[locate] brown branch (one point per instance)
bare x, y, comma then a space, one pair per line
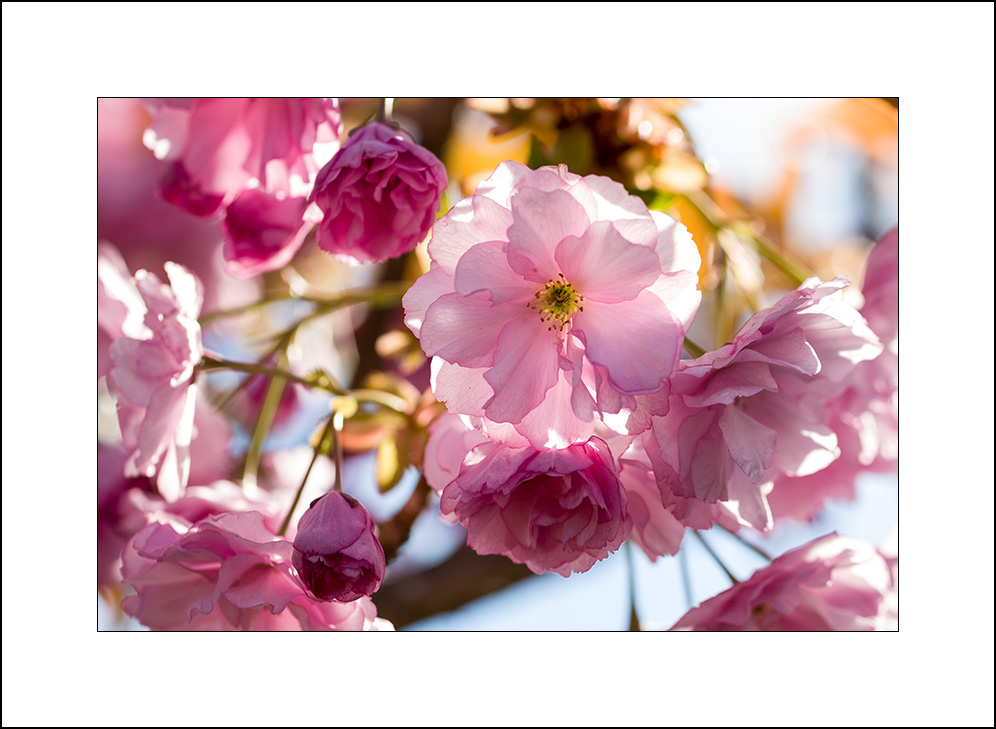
462, 578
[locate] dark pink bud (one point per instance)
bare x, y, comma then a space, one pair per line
379, 195
336, 552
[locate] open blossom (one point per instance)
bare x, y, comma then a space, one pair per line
227, 572
755, 407
832, 583
336, 552
154, 360
554, 511
219, 147
379, 195
552, 299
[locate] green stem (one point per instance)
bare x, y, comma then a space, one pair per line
300, 490
715, 556
694, 349
383, 294
787, 265
337, 423
710, 212
385, 110
267, 413
744, 542
214, 363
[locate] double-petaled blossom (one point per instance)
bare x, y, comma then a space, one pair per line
552, 300
554, 510
756, 407
832, 583
154, 360
379, 195
336, 552
227, 572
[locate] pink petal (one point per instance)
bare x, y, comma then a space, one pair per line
605, 267
636, 341
751, 444
464, 329
475, 219
525, 368
542, 220
485, 268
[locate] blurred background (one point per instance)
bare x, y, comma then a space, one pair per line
817, 178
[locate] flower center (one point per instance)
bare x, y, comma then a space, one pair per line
556, 302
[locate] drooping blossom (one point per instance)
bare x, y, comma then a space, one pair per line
756, 407
832, 583
554, 511
227, 572
552, 299
379, 195
336, 552
154, 361
219, 147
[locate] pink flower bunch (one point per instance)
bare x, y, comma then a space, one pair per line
251, 160
156, 348
832, 583
379, 195
227, 572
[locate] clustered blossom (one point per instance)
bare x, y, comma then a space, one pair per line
156, 348
227, 572
554, 314
832, 583
379, 195
555, 308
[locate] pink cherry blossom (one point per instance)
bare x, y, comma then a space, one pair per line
379, 195
832, 583
552, 299
227, 572
756, 407
154, 359
336, 552
554, 511
219, 147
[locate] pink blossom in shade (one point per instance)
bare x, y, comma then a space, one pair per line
263, 232
336, 552
554, 511
832, 583
379, 195
551, 301
218, 147
227, 572
112, 505
757, 407
152, 376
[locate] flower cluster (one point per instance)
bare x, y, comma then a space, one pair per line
556, 308
553, 398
